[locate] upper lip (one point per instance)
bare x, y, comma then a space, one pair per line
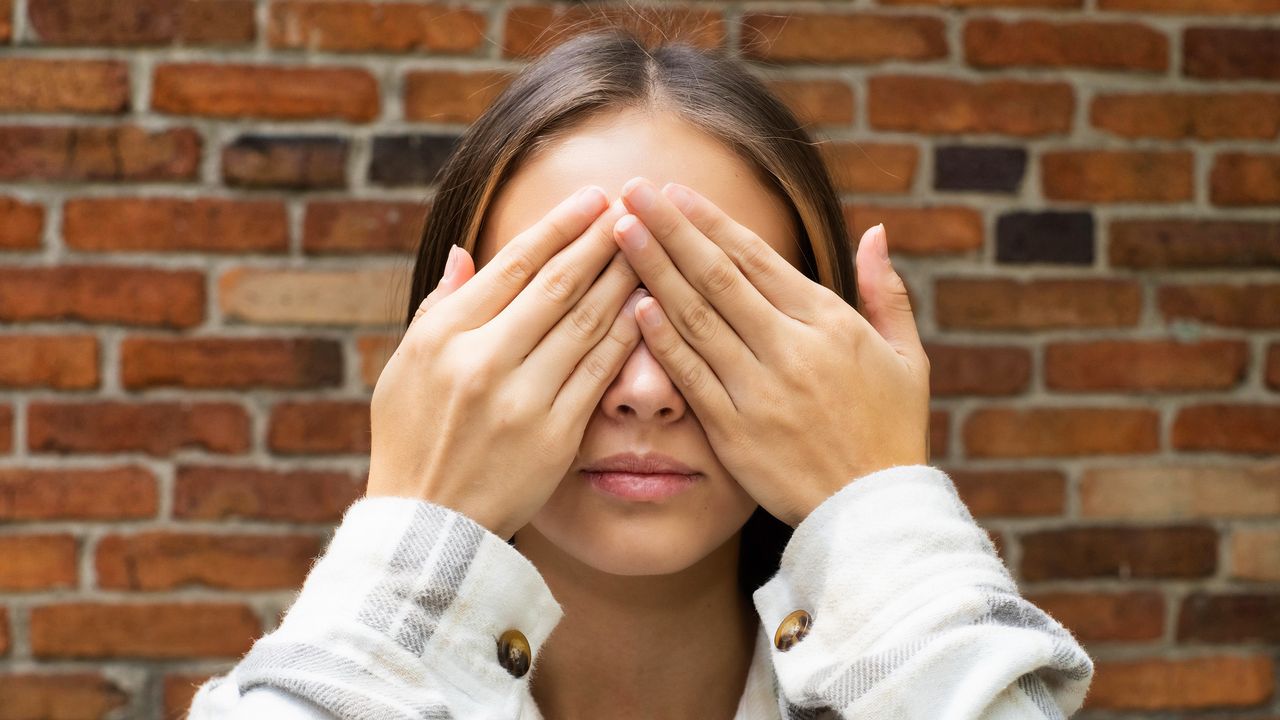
649, 463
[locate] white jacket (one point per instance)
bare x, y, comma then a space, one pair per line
913, 615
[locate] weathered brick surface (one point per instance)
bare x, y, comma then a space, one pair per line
982, 370
291, 93
990, 169
1193, 683
351, 227
816, 102
922, 231
1054, 432
153, 630
64, 362
166, 560
1095, 617
175, 225
1011, 493
318, 428
293, 163
1199, 7
37, 562
1228, 53
1177, 551
945, 105
21, 224
124, 153
1177, 115
451, 96
1174, 492
1036, 43
1145, 366
113, 493
1229, 618
99, 294
529, 30
70, 695
375, 26
157, 428
997, 304
1226, 427
1117, 175
1245, 179
303, 496
312, 297
1242, 306
229, 363
142, 22
1255, 554
1045, 237
871, 168
1191, 244
81, 86
824, 37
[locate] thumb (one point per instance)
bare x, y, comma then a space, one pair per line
459, 268
884, 295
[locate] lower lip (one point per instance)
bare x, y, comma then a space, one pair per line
640, 486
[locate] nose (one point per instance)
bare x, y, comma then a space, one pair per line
642, 391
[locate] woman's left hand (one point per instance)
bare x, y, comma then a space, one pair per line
799, 395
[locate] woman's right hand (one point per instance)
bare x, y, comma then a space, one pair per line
484, 403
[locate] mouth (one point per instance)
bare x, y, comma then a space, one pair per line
640, 478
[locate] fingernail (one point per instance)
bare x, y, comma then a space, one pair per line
591, 199
884, 242
633, 236
451, 264
679, 195
641, 195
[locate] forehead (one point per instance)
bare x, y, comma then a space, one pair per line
612, 148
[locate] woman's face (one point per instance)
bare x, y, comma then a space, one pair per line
642, 411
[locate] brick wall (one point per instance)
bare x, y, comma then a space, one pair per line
206, 209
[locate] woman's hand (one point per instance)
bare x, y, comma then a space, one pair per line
799, 394
483, 405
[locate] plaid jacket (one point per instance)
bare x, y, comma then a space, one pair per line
913, 616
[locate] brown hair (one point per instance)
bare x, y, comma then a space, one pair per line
610, 69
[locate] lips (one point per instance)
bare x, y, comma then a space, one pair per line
647, 464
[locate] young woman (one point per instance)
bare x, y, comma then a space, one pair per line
662, 417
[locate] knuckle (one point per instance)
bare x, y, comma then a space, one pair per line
756, 260
718, 278
517, 269
558, 283
584, 322
595, 365
699, 320
692, 378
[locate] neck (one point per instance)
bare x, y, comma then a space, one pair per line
643, 646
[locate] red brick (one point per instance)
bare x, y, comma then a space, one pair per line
939, 440
1011, 493
220, 493
1251, 305
4, 638
1145, 365
1192, 7
62, 362
531, 30
1255, 553
83, 154
375, 350
142, 22
1051, 4
919, 231
157, 428
81, 86
167, 561
1225, 53
375, 27
325, 426
947, 105
1229, 618
824, 37
451, 96
1178, 551
871, 167
21, 224
1181, 683
151, 630
1196, 244
37, 562
154, 224
1060, 431
1273, 367
362, 227
816, 102
1224, 427
1179, 491
289, 93
978, 369
1006, 304
1105, 617
119, 295
1036, 43
61, 696
6, 429
1173, 115
6, 20
1245, 179
77, 494
179, 691
1117, 175
211, 362
295, 163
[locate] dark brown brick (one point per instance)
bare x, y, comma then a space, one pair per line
211, 362
362, 226
1005, 432
978, 369
1231, 53
1230, 618
120, 295
142, 22
411, 159
1222, 427
1046, 236
946, 105
85, 154
6, 429
1011, 493
1036, 43
1006, 304
73, 86
306, 496
813, 37
77, 494
982, 169
1182, 551
325, 426
1145, 365
157, 428
1194, 244
297, 163
1253, 305
1095, 617
204, 225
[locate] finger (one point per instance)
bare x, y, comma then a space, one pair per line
780, 282
581, 393
519, 260
693, 377
700, 324
554, 359
457, 270
886, 304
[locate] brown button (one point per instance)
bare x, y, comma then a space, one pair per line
513, 652
792, 630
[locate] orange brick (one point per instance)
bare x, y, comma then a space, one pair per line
1060, 431
377, 27
6, 20
1227, 427
871, 167
142, 22
305, 496
1005, 304
324, 426
947, 105
37, 562
211, 362
173, 224
824, 37
77, 494
112, 153
60, 695
977, 369
816, 102
151, 630
1011, 493
157, 428
1252, 305
531, 30
117, 294
451, 96
1183, 683
1179, 491
1117, 175
1105, 617
291, 93
167, 561
179, 691
1245, 179
919, 231
79, 86
1145, 365
1255, 553
1173, 116
1036, 43
21, 224
62, 362
362, 227
375, 351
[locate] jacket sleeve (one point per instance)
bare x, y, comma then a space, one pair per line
399, 618
912, 614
